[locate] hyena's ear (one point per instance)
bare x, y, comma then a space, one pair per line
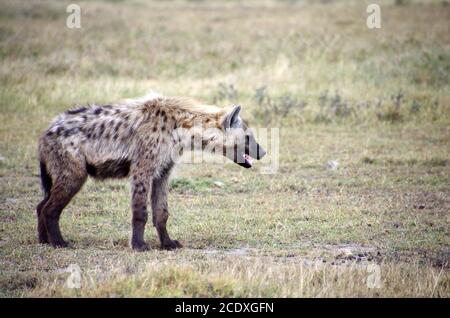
232, 119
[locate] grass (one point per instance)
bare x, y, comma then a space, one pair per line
375, 101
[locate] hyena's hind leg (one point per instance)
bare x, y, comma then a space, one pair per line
70, 178
46, 181
160, 210
41, 229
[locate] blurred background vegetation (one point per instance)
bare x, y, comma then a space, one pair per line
288, 61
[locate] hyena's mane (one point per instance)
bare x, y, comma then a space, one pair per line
182, 111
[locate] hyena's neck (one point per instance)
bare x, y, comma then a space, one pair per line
167, 114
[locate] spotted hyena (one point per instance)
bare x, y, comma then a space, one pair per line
134, 139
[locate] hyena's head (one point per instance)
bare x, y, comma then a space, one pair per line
232, 138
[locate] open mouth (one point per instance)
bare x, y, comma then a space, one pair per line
247, 161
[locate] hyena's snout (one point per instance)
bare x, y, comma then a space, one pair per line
254, 151
260, 152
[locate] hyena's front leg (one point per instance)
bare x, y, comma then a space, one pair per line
140, 186
160, 211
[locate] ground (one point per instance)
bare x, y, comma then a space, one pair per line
359, 205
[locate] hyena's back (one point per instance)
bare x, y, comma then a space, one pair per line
96, 140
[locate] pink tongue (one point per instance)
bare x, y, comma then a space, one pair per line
248, 158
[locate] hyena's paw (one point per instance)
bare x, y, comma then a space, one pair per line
43, 239
60, 244
171, 245
140, 246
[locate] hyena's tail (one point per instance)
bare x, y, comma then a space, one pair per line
46, 180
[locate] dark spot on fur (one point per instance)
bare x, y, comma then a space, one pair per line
118, 126
109, 169
166, 169
49, 133
102, 128
157, 113
98, 111
76, 111
70, 132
